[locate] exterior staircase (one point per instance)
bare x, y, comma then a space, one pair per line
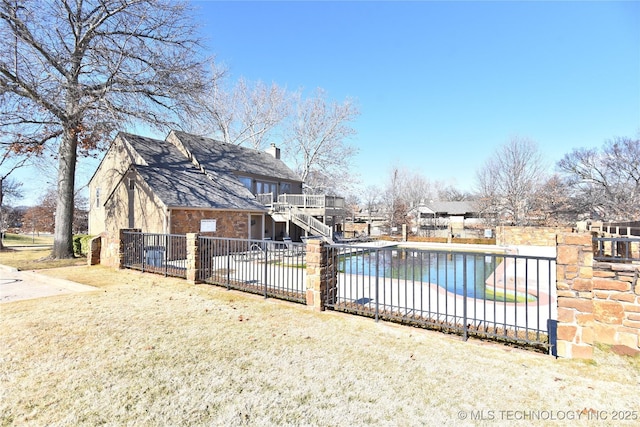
282, 212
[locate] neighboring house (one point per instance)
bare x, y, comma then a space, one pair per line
189, 184
450, 216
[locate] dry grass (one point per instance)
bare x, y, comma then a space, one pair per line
11, 239
145, 350
36, 259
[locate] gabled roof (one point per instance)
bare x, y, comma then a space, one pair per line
177, 182
453, 208
218, 156
448, 208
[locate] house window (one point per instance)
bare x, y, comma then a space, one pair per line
132, 184
266, 187
247, 182
285, 188
98, 197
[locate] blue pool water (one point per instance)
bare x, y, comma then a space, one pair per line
445, 269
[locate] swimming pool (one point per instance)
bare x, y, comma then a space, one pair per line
449, 270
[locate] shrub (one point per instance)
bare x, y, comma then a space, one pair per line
81, 243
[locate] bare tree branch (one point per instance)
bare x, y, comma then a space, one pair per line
508, 181
72, 72
317, 141
605, 183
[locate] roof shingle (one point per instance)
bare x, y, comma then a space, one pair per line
179, 183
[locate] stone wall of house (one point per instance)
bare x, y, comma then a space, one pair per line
229, 224
528, 236
597, 302
110, 172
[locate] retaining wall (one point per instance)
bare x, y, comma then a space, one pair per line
528, 236
598, 303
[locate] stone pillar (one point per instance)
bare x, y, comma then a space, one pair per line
616, 306
321, 274
574, 283
193, 258
95, 246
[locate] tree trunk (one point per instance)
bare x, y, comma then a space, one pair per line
63, 238
1, 213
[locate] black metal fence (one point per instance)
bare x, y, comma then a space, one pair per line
269, 268
616, 249
156, 253
498, 296
502, 297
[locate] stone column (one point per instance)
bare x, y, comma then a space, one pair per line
616, 306
95, 246
193, 258
321, 274
574, 283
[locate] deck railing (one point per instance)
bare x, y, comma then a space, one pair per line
616, 249
312, 201
616, 229
265, 198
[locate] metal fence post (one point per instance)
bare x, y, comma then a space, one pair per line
143, 250
266, 268
465, 332
228, 265
377, 285
167, 240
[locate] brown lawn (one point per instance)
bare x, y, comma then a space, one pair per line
145, 350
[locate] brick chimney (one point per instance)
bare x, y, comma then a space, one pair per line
274, 151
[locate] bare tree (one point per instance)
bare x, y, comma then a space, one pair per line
415, 188
487, 197
448, 192
394, 200
41, 217
508, 181
371, 196
81, 215
551, 204
317, 144
605, 183
9, 188
246, 114
74, 71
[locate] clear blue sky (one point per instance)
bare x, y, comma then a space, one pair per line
441, 85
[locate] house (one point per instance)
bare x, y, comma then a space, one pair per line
188, 184
443, 217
